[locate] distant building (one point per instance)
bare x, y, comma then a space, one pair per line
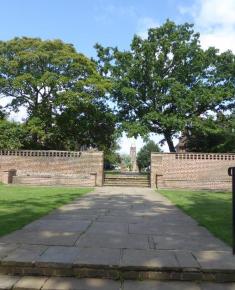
134, 167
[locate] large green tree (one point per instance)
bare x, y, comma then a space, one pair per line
12, 135
212, 135
166, 82
144, 155
62, 91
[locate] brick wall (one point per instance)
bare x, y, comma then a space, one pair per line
191, 170
57, 164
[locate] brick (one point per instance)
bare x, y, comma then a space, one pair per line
64, 168
190, 170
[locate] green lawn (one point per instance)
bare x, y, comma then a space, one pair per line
20, 205
211, 209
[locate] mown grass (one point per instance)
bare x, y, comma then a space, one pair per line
19, 205
212, 210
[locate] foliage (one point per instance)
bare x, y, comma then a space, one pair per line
2, 113
213, 135
111, 157
12, 135
210, 209
144, 155
166, 81
64, 94
126, 159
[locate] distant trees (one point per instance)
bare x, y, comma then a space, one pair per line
12, 135
62, 91
213, 135
126, 159
144, 155
166, 83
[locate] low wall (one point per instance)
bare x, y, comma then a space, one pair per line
191, 170
83, 166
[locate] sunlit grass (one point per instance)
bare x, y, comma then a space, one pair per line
212, 210
20, 205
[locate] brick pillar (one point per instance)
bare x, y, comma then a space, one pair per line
7, 176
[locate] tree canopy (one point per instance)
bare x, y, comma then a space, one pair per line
62, 91
166, 83
214, 136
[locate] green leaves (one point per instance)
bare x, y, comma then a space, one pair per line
165, 82
12, 135
144, 155
62, 90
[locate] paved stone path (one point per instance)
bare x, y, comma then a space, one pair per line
59, 283
134, 232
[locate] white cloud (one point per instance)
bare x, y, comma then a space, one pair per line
144, 24
215, 19
216, 12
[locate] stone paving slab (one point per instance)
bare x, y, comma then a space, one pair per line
65, 283
186, 260
103, 257
70, 217
194, 243
151, 259
164, 229
25, 254
118, 232
76, 284
5, 249
58, 257
115, 240
42, 238
219, 260
156, 285
7, 282
28, 283
108, 228
58, 226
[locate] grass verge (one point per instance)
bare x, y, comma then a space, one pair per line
211, 209
19, 205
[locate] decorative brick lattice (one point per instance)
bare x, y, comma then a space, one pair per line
42, 163
39, 153
191, 170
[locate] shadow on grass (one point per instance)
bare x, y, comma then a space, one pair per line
22, 205
212, 210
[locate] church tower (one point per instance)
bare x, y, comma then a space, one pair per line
134, 167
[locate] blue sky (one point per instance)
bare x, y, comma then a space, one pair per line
114, 22
83, 23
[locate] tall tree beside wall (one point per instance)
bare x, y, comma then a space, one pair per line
12, 135
165, 82
213, 135
62, 91
144, 155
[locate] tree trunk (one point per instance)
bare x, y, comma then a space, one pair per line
169, 142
